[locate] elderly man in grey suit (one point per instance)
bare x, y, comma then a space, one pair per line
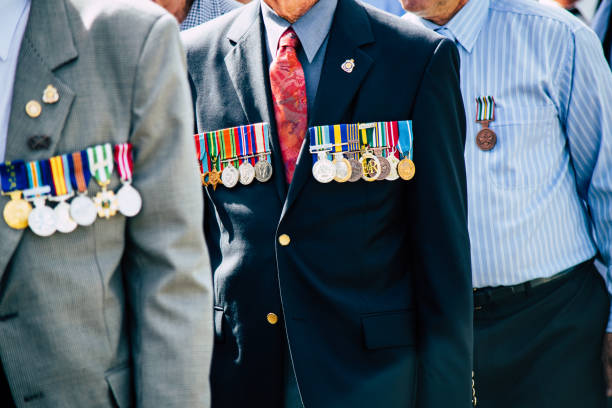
117, 313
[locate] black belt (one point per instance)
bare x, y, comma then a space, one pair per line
483, 296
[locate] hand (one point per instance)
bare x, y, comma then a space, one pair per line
606, 357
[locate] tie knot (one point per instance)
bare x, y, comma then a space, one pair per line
289, 39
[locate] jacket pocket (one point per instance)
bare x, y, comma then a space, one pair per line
219, 322
389, 329
120, 383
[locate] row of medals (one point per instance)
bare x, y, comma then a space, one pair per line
371, 166
82, 210
245, 174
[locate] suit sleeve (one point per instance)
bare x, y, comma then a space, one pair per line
166, 265
440, 242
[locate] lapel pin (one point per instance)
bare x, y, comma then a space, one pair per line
39, 142
33, 109
50, 94
348, 66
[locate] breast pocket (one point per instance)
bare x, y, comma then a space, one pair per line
521, 159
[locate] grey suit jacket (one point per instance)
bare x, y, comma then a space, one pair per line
119, 313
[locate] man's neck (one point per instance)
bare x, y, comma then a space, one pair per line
291, 10
445, 14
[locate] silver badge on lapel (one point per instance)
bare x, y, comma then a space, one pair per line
50, 94
348, 66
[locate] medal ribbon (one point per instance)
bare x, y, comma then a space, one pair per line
13, 176
60, 173
266, 131
212, 149
485, 109
39, 178
125, 161
392, 133
261, 138
101, 162
201, 152
405, 138
79, 171
198, 146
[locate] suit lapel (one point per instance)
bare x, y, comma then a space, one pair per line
350, 30
47, 45
247, 65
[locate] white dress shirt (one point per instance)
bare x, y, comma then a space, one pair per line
13, 20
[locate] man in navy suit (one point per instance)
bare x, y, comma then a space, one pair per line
336, 295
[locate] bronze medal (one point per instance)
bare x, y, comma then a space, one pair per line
406, 169
356, 170
214, 178
486, 139
385, 166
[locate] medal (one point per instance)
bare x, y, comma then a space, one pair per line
230, 174
323, 170
101, 167
405, 168
82, 209
379, 149
246, 169
353, 153
212, 149
129, 201
62, 191
200, 142
370, 164
263, 168
13, 180
486, 139
392, 135
343, 168
41, 220
393, 162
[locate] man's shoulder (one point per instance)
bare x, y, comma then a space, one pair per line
537, 13
122, 17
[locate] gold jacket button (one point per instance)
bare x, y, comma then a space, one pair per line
284, 240
272, 318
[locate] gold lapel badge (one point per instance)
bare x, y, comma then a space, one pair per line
50, 94
33, 109
348, 66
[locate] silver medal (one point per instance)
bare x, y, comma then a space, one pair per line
263, 170
128, 200
230, 176
247, 173
393, 162
42, 219
63, 221
83, 210
323, 170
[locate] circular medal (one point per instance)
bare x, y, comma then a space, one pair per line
263, 170
385, 167
106, 204
393, 162
83, 210
42, 221
63, 221
406, 169
343, 168
16, 213
486, 139
230, 176
370, 166
323, 170
247, 173
129, 200
356, 170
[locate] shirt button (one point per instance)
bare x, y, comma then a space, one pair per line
284, 240
272, 318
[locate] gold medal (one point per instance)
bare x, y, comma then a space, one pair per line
406, 169
343, 168
16, 211
370, 166
214, 178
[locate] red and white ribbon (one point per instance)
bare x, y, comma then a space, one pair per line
124, 160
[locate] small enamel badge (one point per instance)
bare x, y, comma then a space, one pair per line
33, 109
50, 94
348, 66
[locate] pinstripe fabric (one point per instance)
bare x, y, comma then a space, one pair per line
531, 196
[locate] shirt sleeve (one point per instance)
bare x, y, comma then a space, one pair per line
588, 125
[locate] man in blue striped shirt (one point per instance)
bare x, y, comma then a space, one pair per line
539, 197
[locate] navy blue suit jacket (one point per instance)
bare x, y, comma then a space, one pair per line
374, 290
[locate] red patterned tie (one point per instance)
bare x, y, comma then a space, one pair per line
289, 97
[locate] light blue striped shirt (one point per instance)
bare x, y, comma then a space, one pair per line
541, 200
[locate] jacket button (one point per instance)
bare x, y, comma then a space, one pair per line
284, 240
272, 318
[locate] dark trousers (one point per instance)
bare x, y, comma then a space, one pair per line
543, 348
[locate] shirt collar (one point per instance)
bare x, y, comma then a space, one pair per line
466, 25
10, 13
312, 28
